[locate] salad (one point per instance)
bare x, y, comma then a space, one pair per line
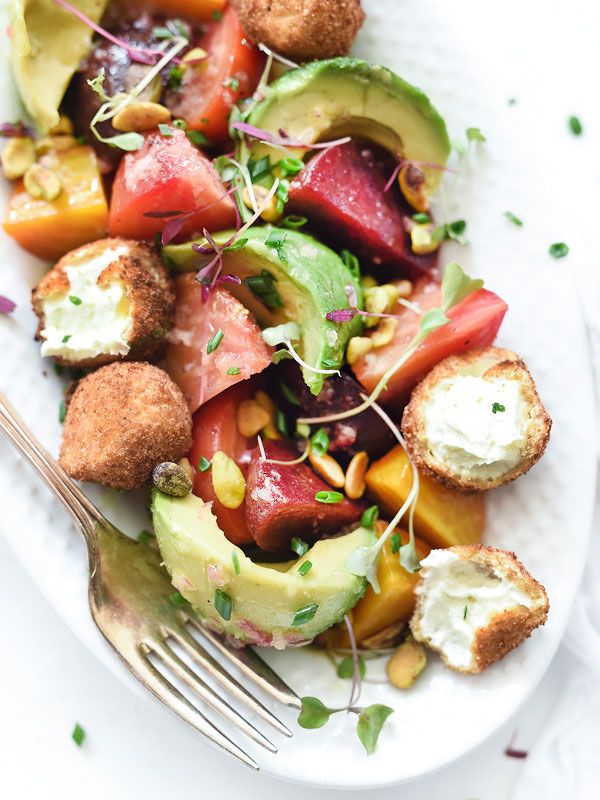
248, 297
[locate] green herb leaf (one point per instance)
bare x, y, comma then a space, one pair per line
329, 497
282, 195
197, 138
303, 430
223, 604
305, 567
299, 546
275, 240
313, 714
281, 422
225, 168
395, 543
369, 517
304, 614
456, 285
233, 371
175, 78
345, 668
126, 141
513, 218
351, 261
62, 411
451, 230
370, 723
237, 245
203, 464
97, 85
475, 135
145, 536
575, 126
164, 129
289, 394
177, 599
558, 250
78, 735
232, 83
263, 286
162, 32
290, 166
293, 221
214, 342
259, 169
181, 124
497, 407
319, 442
432, 319
465, 612
66, 338
280, 355
75, 300
236, 562
421, 218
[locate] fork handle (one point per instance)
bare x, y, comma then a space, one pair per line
83, 512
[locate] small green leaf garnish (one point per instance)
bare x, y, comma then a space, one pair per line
126, 141
450, 231
62, 411
370, 723
258, 169
351, 261
263, 286
345, 668
164, 129
203, 464
144, 536
237, 245
293, 221
289, 394
395, 543
513, 218
319, 442
181, 124
304, 614
175, 78
75, 300
303, 430
313, 714
214, 342
223, 604
558, 250
290, 166
78, 735
233, 371
299, 546
329, 497
281, 422
162, 32
177, 599
305, 567
369, 517
197, 138
475, 135
280, 355
232, 83
421, 218
432, 319
275, 240
497, 407
282, 195
456, 285
97, 84
66, 338
236, 562
575, 126
465, 612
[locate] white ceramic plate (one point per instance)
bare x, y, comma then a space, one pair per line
545, 517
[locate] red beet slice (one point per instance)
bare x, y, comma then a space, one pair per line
280, 502
341, 192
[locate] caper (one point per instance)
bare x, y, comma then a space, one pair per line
172, 479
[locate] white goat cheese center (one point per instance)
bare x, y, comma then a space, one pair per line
457, 598
99, 324
472, 422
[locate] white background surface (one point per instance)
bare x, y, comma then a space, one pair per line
546, 56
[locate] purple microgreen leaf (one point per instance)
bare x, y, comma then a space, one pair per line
393, 177
342, 315
12, 129
174, 227
227, 278
283, 140
6, 305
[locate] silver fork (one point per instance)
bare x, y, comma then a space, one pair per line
129, 601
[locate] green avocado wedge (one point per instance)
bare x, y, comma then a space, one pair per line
300, 280
47, 44
269, 605
349, 97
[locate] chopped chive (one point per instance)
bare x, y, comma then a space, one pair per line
305, 567
497, 407
329, 497
203, 464
237, 245
165, 129
259, 168
575, 126
177, 599
395, 542
513, 218
175, 78
223, 604
558, 250
294, 221
465, 612
281, 422
214, 342
330, 363
299, 546
161, 32
181, 124
66, 338
236, 562
319, 442
290, 166
304, 614
75, 300
289, 394
421, 218
369, 517
197, 138
144, 536
233, 371
78, 735
62, 411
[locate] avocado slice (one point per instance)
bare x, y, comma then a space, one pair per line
47, 44
301, 280
324, 100
270, 604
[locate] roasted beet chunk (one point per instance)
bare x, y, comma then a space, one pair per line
364, 431
280, 502
341, 192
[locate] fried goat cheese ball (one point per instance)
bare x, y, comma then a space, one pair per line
476, 421
474, 604
303, 30
106, 301
122, 421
